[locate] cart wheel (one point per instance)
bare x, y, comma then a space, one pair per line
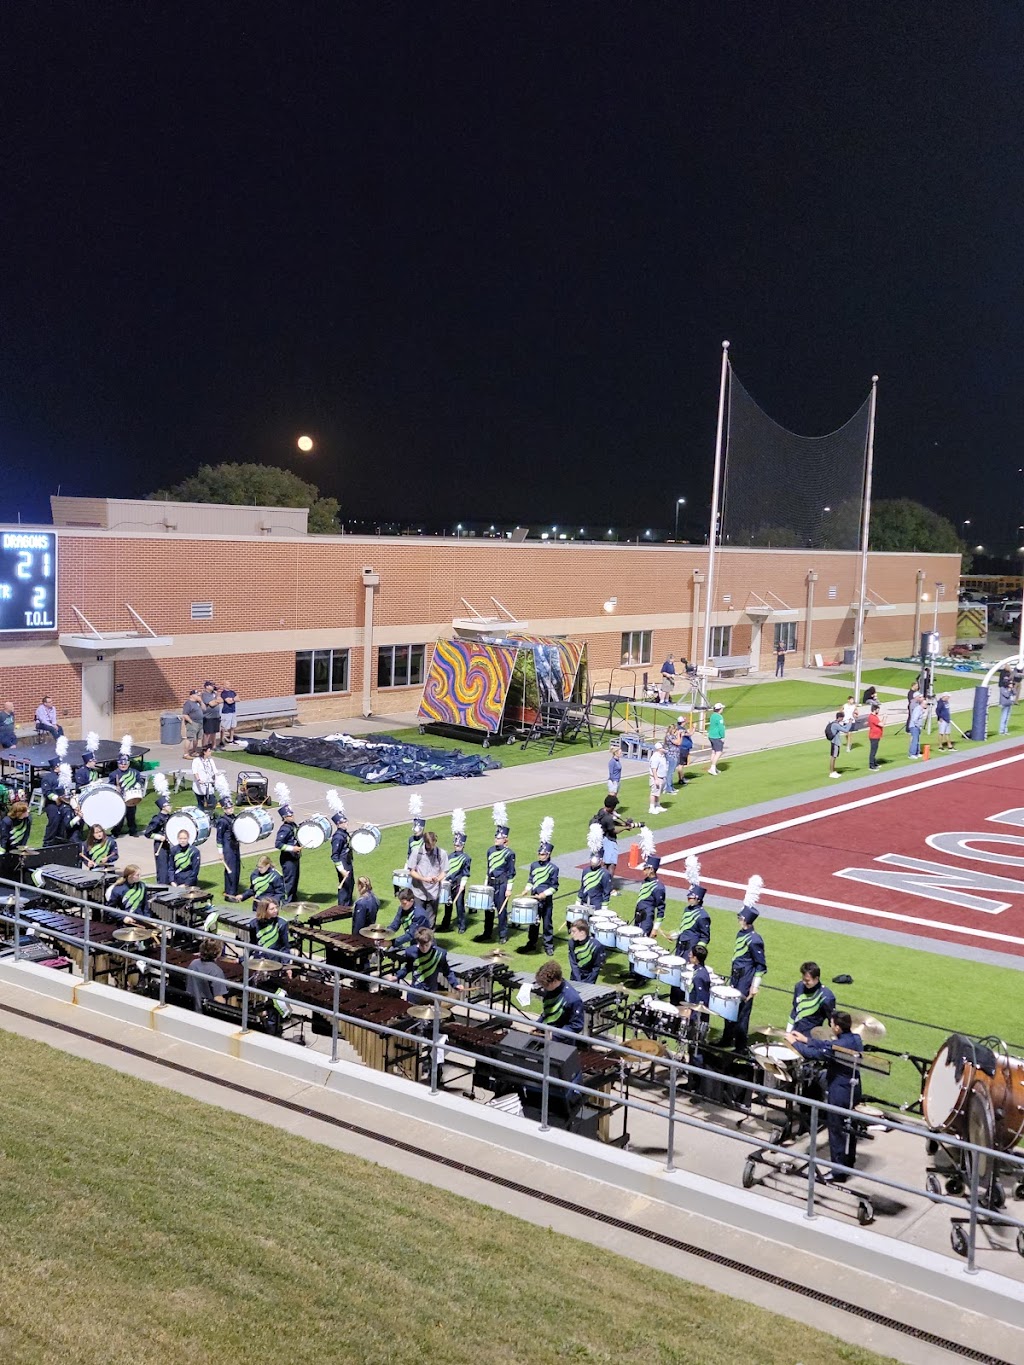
1020, 1241
512, 739
933, 1185
958, 1239
786, 1168
1018, 1190
865, 1212
487, 742
748, 1175
955, 1185
931, 1146
423, 729
996, 1199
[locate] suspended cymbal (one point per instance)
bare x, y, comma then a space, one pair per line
295, 910
867, 1025
495, 955
197, 893
135, 933
771, 1032
258, 966
377, 934
427, 1012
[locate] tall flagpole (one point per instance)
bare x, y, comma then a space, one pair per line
709, 596
865, 531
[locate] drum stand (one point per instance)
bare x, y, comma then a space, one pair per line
957, 1182
796, 1167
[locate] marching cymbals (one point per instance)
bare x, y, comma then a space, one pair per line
427, 1012
377, 934
135, 933
867, 1025
294, 910
770, 1032
260, 966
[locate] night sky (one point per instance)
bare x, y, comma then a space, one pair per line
486, 254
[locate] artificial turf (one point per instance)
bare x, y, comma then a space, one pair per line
901, 679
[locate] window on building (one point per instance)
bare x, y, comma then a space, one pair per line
321, 670
400, 665
721, 641
636, 647
785, 635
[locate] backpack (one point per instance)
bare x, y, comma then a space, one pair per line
831, 729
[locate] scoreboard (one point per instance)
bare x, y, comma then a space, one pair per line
28, 581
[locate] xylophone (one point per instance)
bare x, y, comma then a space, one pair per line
67, 933
350, 952
88, 884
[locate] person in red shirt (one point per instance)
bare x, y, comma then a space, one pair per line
876, 728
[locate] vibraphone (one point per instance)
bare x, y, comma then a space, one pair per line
349, 952
600, 1002
484, 979
86, 883
381, 1051
181, 908
67, 934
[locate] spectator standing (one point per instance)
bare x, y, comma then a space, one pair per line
228, 714
876, 728
850, 713
716, 736
211, 704
945, 721
780, 661
193, 713
204, 779
614, 769
915, 724
657, 770
1005, 704
46, 718
685, 745
673, 739
668, 680
833, 732
8, 734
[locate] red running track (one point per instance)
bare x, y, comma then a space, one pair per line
858, 857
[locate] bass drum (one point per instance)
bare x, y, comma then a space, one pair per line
102, 804
958, 1088
193, 820
252, 825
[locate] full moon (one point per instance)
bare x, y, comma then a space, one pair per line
305, 443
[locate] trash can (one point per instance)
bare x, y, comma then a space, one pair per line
170, 727
849, 657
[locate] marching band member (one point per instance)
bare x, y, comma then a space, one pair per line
460, 865
287, 843
156, 827
695, 925
562, 1005
268, 931
184, 861
341, 850
227, 839
501, 869
410, 916
542, 883
427, 964
843, 1088
49, 786
650, 903
265, 883
586, 955
15, 828
700, 986
748, 966
596, 882
129, 895
418, 825
61, 816
129, 784
86, 771
813, 1003
364, 912
99, 849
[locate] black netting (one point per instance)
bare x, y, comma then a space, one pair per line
787, 490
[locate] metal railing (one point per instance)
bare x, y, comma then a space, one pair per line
441, 1050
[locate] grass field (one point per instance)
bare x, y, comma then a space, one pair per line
752, 703
901, 678
151, 1227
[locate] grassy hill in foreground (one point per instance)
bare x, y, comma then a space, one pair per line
142, 1226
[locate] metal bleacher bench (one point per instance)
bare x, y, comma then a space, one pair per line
256, 711
730, 664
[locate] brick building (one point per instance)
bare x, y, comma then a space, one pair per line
287, 614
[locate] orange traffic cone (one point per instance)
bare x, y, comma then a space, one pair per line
634, 854
926, 750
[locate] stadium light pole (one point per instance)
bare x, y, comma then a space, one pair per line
865, 531
680, 502
716, 483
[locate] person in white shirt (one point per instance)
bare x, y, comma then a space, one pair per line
658, 769
428, 867
850, 713
204, 777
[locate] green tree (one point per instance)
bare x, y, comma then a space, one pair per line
261, 485
897, 525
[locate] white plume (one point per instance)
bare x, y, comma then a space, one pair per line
281, 794
222, 785
335, 803
160, 785
547, 830
499, 814
753, 892
61, 747
126, 745
415, 805
92, 741
646, 840
693, 869
64, 778
595, 838
458, 820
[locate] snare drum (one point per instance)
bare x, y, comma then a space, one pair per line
102, 804
725, 1002
444, 893
674, 971
479, 898
644, 962
604, 928
524, 910
625, 934
575, 912
365, 839
313, 832
400, 878
195, 823
778, 1062
253, 825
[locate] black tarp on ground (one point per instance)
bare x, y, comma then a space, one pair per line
382, 759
